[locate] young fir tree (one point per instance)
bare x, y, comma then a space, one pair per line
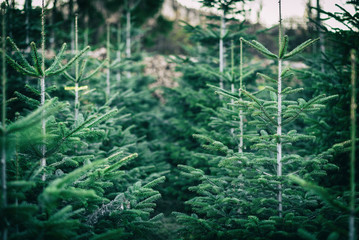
228, 116
194, 101
340, 206
80, 75
335, 80
130, 6
332, 132
38, 70
248, 194
286, 111
118, 64
225, 7
96, 200
9, 132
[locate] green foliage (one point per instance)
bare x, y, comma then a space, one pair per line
90, 187
131, 155
35, 70
239, 193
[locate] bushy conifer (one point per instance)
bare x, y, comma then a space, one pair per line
81, 191
248, 194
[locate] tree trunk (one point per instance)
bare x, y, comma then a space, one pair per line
118, 52
108, 83
10, 17
71, 16
43, 127
241, 132
279, 134
221, 49
77, 102
52, 21
232, 102
3, 182
279, 118
232, 84
28, 8
321, 37
3, 120
86, 33
128, 35
353, 142
43, 89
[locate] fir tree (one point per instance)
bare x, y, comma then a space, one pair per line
234, 178
224, 7
83, 201
38, 70
80, 75
350, 207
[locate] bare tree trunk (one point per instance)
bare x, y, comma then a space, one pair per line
17, 172
221, 49
43, 89
279, 118
128, 35
232, 84
86, 33
3, 121
52, 21
353, 141
321, 37
118, 52
241, 132
77, 102
71, 16
232, 102
28, 8
10, 17
108, 83
3, 182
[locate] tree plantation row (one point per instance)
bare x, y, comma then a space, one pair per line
235, 144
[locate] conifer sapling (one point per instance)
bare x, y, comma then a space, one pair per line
39, 71
292, 112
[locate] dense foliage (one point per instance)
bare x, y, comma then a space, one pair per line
240, 145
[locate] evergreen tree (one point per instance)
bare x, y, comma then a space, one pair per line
194, 101
79, 74
335, 80
73, 201
249, 191
341, 207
